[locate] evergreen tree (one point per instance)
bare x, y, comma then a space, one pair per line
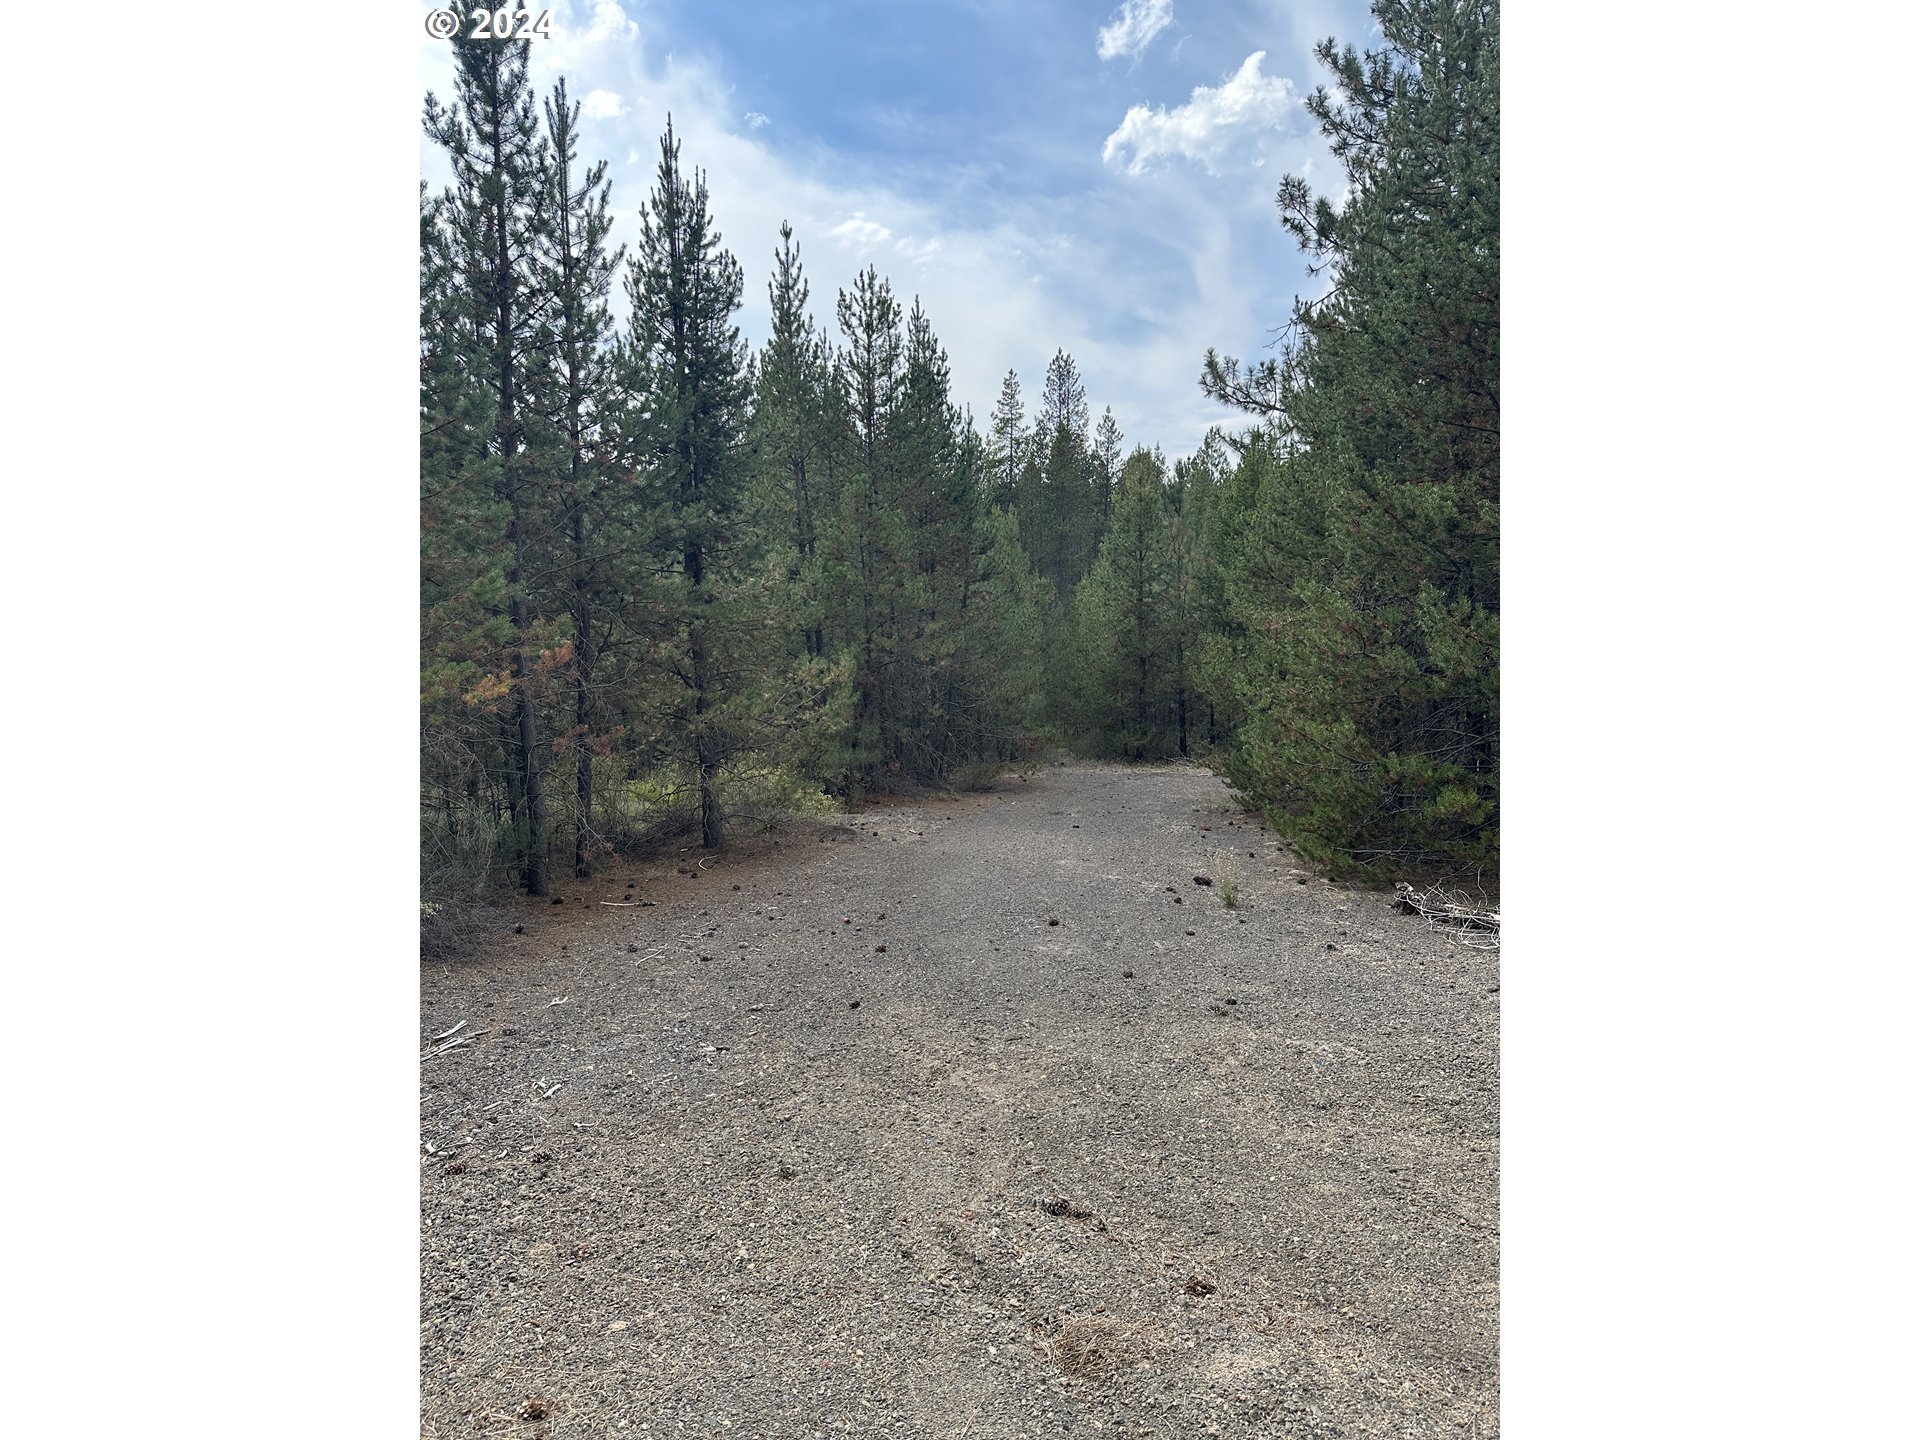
1063, 399
464, 636
1013, 629
1125, 617
793, 431
1361, 570
1007, 446
1190, 498
684, 371
871, 544
1106, 464
1058, 505
940, 462
493, 217
573, 265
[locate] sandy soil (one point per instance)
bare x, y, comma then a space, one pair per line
846, 1136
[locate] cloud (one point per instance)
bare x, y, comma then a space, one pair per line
1210, 123
1133, 31
754, 119
603, 105
583, 30
609, 22
859, 233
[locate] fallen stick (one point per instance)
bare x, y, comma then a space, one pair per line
456, 1044
1440, 909
445, 1033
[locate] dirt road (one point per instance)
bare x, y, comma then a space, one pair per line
849, 1138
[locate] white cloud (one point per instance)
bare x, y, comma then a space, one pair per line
609, 22
1133, 31
1210, 123
581, 29
754, 119
603, 105
859, 233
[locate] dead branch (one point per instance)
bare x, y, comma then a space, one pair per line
457, 1042
1474, 927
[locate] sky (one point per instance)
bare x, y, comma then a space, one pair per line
1094, 177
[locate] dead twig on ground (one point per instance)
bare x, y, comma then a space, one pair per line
456, 1043
1476, 928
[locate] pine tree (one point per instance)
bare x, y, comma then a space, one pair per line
1060, 522
1008, 444
1190, 498
940, 464
1106, 464
574, 267
493, 216
793, 434
684, 371
871, 541
1366, 667
463, 627
1125, 616
1063, 399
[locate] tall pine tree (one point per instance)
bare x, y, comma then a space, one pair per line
574, 266
684, 373
1126, 619
493, 216
1007, 442
794, 432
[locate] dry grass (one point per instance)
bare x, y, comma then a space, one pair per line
1086, 1347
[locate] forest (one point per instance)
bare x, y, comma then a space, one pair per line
672, 586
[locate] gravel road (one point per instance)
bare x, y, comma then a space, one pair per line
846, 1136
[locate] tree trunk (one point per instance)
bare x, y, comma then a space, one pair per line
532, 782
582, 682
582, 783
510, 749
1180, 667
705, 752
712, 825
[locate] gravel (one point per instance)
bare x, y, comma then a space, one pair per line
1157, 1169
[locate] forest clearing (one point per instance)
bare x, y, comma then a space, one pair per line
764, 1094
975, 1116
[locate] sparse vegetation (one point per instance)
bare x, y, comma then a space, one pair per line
1087, 1347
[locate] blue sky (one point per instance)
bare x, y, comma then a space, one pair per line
1096, 176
